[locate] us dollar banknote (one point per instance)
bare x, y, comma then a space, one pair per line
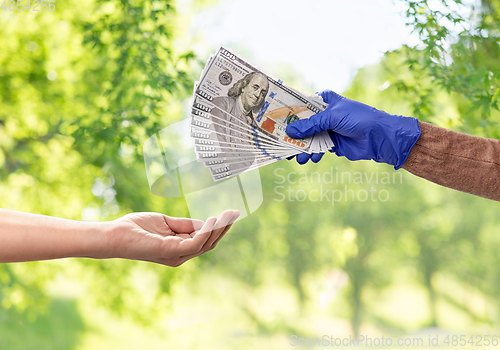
240, 114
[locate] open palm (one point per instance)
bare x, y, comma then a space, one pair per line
166, 240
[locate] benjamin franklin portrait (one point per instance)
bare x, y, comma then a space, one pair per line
243, 103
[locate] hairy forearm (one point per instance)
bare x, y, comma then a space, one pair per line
28, 237
459, 161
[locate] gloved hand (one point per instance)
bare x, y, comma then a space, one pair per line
302, 158
359, 131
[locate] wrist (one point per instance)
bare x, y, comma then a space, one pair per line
408, 133
393, 138
95, 238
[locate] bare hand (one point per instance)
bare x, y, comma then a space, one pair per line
166, 240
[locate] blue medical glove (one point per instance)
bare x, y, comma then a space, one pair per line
360, 131
302, 158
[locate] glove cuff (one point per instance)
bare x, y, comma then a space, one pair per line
409, 133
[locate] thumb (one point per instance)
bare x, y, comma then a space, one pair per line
330, 96
182, 225
303, 128
319, 122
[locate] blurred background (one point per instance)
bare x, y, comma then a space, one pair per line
385, 254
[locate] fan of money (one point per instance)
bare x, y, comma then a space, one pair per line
239, 116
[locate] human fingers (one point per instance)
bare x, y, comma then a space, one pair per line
208, 247
226, 229
195, 244
225, 219
302, 128
185, 258
329, 96
303, 158
183, 225
316, 157
322, 121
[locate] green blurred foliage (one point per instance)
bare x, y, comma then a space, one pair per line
82, 87
58, 328
459, 54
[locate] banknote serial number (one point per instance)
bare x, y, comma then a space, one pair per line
28, 5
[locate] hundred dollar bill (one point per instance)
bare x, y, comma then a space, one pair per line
235, 156
231, 141
222, 117
238, 166
238, 141
205, 135
201, 111
226, 124
229, 149
239, 116
238, 134
255, 98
